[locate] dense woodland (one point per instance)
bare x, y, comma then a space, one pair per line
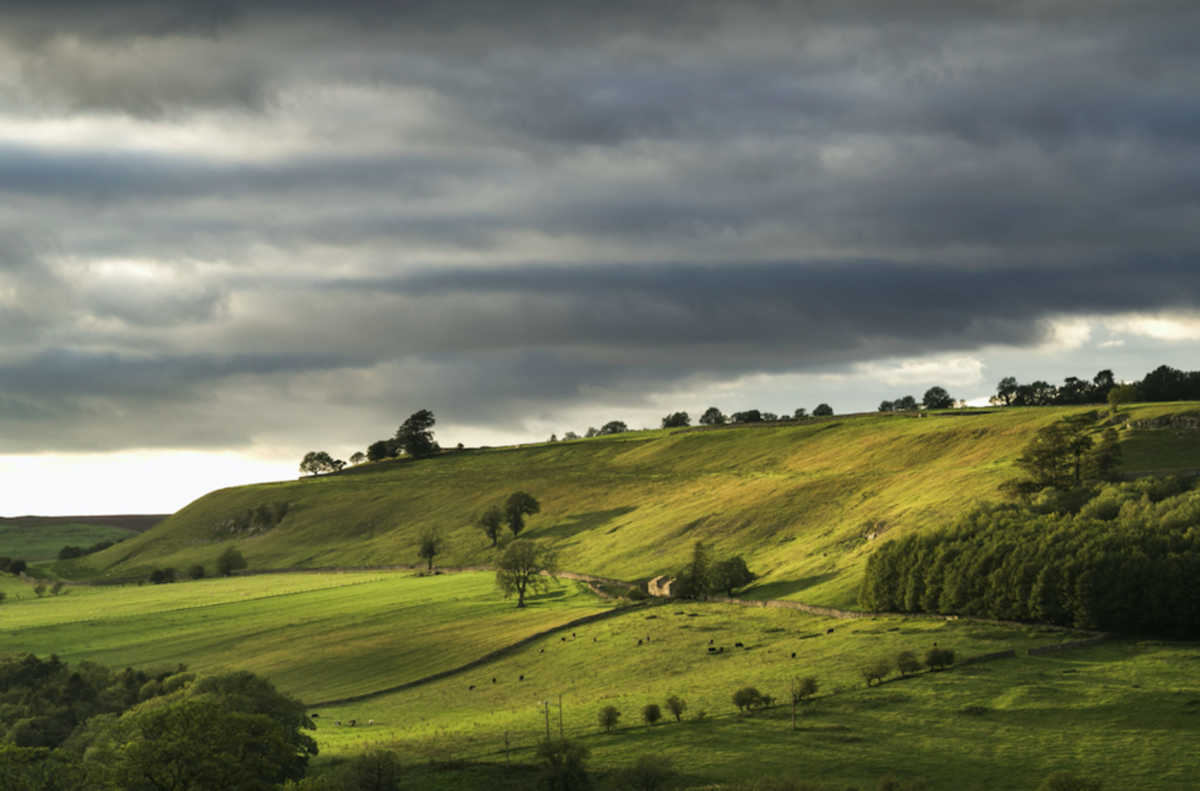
1121, 557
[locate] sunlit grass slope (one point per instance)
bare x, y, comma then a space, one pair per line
43, 541
803, 502
1128, 713
317, 636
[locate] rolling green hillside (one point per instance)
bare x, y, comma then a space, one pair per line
803, 502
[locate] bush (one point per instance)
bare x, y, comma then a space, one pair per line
1065, 781
196, 572
747, 698
938, 658
40, 589
162, 576
677, 706
907, 662
804, 688
608, 718
57, 588
648, 773
651, 713
230, 561
563, 765
876, 671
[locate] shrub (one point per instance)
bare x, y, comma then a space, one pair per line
40, 589
230, 561
677, 706
57, 588
1065, 781
162, 576
651, 713
804, 688
608, 718
876, 671
747, 698
938, 658
3, 596
648, 773
196, 572
563, 765
907, 662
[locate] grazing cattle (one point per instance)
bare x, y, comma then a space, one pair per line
710, 642
337, 722
370, 722
572, 635
829, 630
564, 639
793, 655
473, 686
541, 650
314, 715
639, 641
738, 645
712, 650
594, 640
493, 679
521, 677
352, 723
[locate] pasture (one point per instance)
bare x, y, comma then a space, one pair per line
316, 636
38, 542
804, 502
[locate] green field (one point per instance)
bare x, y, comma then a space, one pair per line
803, 502
317, 636
1128, 712
42, 542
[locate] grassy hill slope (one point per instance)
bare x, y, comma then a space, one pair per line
803, 502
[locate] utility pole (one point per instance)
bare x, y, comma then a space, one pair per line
546, 703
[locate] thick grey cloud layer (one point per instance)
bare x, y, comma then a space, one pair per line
219, 220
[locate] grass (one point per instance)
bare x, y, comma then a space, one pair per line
803, 502
317, 636
1125, 711
42, 542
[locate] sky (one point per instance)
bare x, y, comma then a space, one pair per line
231, 233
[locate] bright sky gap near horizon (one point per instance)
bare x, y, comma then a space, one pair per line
233, 233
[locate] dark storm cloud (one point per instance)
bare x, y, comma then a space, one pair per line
220, 217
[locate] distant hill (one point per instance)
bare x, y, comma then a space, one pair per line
36, 538
804, 502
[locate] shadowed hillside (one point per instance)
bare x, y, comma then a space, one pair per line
805, 502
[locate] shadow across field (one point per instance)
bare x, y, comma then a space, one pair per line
778, 590
581, 523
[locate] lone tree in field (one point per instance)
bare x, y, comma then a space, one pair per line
230, 561
429, 547
491, 521
823, 410
520, 568
316, 462
676, 420
517, 507
677, 706
608, 718
415, 435
357, 457
937, 398
712, 417
651, 713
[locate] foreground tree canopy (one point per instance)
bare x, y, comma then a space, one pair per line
91, 727
520, 569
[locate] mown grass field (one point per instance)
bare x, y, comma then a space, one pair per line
803, 502
1127, 712
316, 636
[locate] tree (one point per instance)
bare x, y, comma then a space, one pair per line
316, 462
802, 690
357, 457
613, 427
676, 420
823, 410
382, 449
887, 406
651, 713
938, 658
876, 670
563, 765
1006, 392
937, 398
608, 718
1102, 461
677, 706
1121, 394
415, 435
429, 546
517, 507
230, 561
694, 580
729, 574
491, 520
17, 567
712, 417
570, 435
196, 572
591, 432
648, 773
747, 698
907, 662
520, 569
748, 416
800, 413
